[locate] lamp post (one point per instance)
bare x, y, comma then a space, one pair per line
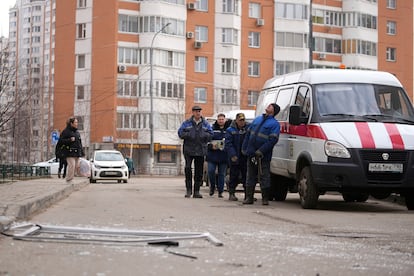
152, 101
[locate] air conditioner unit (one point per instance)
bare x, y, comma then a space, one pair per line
122, 68
190, 35
197, 44
259, 22
190, 6
322, 56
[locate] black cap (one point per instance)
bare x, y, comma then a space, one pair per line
196, 107
276, 109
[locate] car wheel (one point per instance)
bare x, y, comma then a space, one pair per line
125, 181
308, 191
119, 181
92, 180
409, 200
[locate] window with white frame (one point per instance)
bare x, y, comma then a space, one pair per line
127, 120
391, 27
391, 54
229, 65
252, 97
80, 92
81, 3
201, 33
230, 6
200, 95
80, 61
201, 5
127, 55
81, 122
229, 36
200, 64
127, 88
253, 68
391, 4
255, 10
254, 39
288, 39
81, 30
228, 96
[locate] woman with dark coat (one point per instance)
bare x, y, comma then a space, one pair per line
73, 149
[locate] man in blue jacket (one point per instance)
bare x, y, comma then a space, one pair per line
258, 145
196, 133
235, 135
217, 155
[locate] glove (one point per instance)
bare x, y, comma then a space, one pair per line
258, 154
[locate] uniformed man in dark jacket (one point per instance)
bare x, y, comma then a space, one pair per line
196, 133
262, 135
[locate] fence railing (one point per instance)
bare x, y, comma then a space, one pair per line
11, 172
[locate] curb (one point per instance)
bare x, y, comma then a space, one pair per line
24, 211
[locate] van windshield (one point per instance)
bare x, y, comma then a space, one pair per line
346, 101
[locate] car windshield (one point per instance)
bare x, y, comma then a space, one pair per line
375, 102
108, 156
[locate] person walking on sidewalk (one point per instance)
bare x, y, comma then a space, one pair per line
235, 135
73, 149
196, 133
258, 145
217, 156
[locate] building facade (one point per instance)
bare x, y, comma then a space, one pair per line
131, 70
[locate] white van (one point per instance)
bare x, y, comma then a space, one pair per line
349, 131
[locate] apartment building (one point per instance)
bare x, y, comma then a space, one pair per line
130, 70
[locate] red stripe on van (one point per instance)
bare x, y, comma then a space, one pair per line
395, 136
312, 131
365, 135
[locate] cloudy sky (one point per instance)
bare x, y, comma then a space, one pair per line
4, 16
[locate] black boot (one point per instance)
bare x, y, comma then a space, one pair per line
265, 196
196, 193
188, 182
249, 195
232, 195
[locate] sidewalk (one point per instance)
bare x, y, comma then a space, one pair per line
21, 199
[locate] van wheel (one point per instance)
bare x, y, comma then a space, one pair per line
92, 180
278, 187
409, 200
308, 192
355, 197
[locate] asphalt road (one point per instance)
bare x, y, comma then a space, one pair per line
372, 238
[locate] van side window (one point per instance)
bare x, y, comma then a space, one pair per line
303, 100
283, 100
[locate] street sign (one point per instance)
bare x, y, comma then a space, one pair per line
55, 137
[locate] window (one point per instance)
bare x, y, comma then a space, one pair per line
303, 100
391, 27
127, 88
254, 10
80, 61
128, 23
391, 4
228, 96
201, 5
296, 40
200, 64
81, 30
254, 39
200, 95
127, 55
252, 97
291, 11
81, 3
391, 54
80, 92
201, 33
164, 156
254, 68
230, 36
127, 120
81, 122
230, 6
229, 66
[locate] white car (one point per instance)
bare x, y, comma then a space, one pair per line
108, 165
52, 165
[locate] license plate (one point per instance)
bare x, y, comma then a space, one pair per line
111, 173
385, 167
